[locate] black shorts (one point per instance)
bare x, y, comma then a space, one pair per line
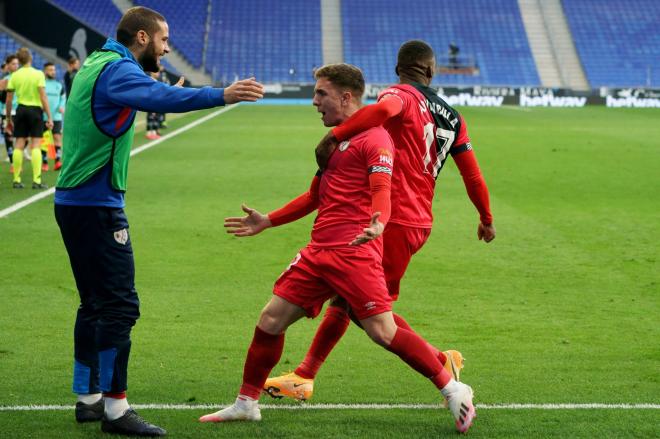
57, 127
28, 122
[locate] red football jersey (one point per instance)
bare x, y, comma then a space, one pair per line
421, 149
344, 192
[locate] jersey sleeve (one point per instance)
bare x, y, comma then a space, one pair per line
379, 153
475, 185
367, 117
299, 207
462, 142
42, 80
128, 86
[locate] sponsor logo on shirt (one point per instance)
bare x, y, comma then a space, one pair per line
343, 146
387, 159
369, 306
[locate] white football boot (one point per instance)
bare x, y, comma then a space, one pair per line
459, 399
241, 410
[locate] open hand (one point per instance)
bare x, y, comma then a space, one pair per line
245, 90
255, 222
372, 232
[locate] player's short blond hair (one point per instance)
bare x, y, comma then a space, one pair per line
345, 76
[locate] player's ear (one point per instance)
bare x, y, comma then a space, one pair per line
396, 70
142, 37
429, 71
346, 97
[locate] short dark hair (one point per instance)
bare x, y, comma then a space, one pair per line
48, 64
414, 53
24, 55
10, 58
72, 60
137, 19
343, 75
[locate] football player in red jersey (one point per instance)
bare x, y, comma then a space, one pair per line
344, 256
425, 130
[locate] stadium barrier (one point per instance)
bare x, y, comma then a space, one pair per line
489, 96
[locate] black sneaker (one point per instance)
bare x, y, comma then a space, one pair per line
131, 424
39, 186
89, 412
18, 185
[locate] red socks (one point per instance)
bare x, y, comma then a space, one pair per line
413, 349
264, 353
401, 323
332, 328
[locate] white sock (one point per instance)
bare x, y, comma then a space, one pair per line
89, 398
243, 401
450, 388
115, 408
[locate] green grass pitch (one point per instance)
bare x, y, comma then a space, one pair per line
563, 307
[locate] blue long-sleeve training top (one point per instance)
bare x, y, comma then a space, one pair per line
122, 89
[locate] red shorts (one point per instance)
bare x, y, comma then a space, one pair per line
318, 274
400, 243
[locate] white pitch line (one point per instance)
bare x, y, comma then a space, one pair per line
33, 199
503, 406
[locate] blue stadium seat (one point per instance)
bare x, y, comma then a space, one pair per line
618, 42
489, 31
274, 41
9, 45
101, 15
187, 22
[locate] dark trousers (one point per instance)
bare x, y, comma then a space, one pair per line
99, 248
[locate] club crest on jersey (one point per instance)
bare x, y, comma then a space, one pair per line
343, 146
121, 236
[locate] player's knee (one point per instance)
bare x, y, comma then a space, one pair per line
380, 334
270, 322
379, 337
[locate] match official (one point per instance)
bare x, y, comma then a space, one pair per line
29, 85
99, 120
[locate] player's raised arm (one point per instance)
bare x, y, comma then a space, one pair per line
367, 117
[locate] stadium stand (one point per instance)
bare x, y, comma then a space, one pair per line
187, 21
9, 45
490, 31
280, 44
101, 15
618, 42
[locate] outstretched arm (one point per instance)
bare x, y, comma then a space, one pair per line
365, 118
128, 86
255, 222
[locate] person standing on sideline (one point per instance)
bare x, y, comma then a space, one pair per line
11, 65
72, 67
29, 84
56, 101
110, 88
352, 197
